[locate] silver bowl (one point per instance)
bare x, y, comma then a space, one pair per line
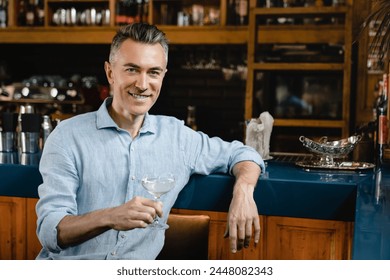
331, 149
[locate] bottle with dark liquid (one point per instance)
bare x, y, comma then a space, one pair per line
22, 13
120, 18
231, 16
382, 123
145, 11
39, 16
242, 11
30, 13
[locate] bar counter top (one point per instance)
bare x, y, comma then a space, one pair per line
283, 190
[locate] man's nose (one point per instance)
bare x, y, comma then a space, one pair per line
142, 82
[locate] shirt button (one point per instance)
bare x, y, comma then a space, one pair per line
132, 149
113, 253
133, 177
123, 236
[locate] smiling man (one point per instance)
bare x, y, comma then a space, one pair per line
92, 204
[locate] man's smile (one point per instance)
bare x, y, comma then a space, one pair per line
139, 96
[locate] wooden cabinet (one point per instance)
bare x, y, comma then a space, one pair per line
283, 238
220, 32
18, 240
12, 228
306, 239
299, 68
33, 246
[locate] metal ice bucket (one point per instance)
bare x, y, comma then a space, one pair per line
7, 141
29, 142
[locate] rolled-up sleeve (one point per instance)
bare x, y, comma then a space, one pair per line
245, 153
212, 154
56, 193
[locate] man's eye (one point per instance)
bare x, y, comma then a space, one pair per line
131, 70
154, 73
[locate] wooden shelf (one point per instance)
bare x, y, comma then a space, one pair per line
284, 34
213, 34
43, 101
81, 1
309, 123
300, 11
298, 66
103, 35
57, 35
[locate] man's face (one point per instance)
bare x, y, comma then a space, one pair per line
136, 75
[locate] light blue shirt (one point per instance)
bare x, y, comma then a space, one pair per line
89, 163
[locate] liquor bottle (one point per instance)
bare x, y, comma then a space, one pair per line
261, 3
382, 124
39, 16
3, 13
47, 128
22, 13
138, 15
145, 11
386, 84
231, 13
120, 18
30, 13
378, 90
131, 10
242, 11
191, 117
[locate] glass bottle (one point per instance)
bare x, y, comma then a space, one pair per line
3, 13
382, 124
138, 15
39, 16
22, 13
145, 10
242, 11
120, 16
46, 128
30, 13
231, 13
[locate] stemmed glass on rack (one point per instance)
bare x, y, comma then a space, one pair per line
157, 185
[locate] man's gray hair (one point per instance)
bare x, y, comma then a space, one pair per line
139, 32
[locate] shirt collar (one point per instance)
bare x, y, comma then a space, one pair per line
104, 120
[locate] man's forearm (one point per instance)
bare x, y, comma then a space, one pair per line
73, 230
247, 173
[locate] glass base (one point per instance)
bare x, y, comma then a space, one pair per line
157, 224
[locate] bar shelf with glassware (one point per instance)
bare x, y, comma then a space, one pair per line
299, 67
95, 21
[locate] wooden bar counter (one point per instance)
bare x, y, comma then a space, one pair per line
315, 214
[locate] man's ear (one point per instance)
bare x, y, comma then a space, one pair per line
109, 73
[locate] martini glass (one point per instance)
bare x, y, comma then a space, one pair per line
157, 185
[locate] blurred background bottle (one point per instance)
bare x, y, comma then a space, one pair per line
3, 13
47, 128
30, 13
22, 13
39, 16
242, 11
382, 122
